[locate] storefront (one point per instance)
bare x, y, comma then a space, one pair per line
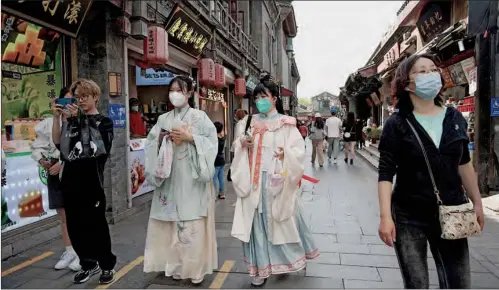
149, 83
36, 52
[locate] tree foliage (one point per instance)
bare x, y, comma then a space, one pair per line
304, 101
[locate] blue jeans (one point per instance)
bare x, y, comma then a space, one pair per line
219, 178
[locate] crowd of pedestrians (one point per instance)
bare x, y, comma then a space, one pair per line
434, 201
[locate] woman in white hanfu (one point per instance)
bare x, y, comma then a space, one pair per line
267, 168
181, 237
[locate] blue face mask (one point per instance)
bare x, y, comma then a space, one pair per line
428, 85
263, 105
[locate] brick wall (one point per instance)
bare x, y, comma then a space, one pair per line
100, 51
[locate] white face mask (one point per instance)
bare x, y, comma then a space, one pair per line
177, 99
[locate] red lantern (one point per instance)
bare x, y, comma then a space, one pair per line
206, 71
156, 45
219, 76
240, 84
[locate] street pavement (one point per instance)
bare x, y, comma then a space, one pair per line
342, 212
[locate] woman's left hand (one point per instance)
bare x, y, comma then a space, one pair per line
181, 134
480, 215
280, 153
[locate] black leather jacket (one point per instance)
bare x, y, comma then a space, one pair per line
401, 155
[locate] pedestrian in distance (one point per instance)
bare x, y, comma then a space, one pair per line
317, 137
218, 179
303, 131
350, 137
45, 153
82, 179
268, 165
333, 134
426, 146
180, 164
359, 126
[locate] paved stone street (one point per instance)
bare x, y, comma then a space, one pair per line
342, 211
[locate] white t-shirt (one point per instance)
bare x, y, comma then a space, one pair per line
333, 125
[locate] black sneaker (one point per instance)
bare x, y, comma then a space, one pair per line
107, 277
83, 275
346, 160
351, 161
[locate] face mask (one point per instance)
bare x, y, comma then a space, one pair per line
135, 108
177, 99
263, 105
428, 85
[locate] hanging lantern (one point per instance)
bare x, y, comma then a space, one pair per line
219, 76
206, 71
240, 84
156, 45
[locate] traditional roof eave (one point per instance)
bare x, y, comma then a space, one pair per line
287, 12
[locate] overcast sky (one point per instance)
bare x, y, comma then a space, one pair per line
335, 38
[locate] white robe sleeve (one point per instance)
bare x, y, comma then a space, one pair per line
151, 153
284, 204
205, 150
41, 145
240, 172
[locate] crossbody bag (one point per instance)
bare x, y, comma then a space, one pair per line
456, 221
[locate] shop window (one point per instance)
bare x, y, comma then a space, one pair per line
31, 78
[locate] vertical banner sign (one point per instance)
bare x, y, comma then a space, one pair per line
65, 17
117, 113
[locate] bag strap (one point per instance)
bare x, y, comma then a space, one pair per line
435, 188
248, 123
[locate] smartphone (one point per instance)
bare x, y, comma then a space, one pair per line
64, 102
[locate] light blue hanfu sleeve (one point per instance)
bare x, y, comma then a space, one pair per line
205, 149
151, 153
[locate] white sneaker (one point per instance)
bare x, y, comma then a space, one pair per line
75, 265
65, 261
176, 277
257, 281
197, 281
335, 161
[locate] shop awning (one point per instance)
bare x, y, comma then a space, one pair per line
286, 93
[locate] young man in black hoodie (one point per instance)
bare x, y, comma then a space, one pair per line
82, 184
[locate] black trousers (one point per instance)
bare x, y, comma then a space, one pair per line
89, 232
411, 246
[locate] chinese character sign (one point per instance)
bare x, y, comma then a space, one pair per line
117, 113
434, 20
64, 16
186, 34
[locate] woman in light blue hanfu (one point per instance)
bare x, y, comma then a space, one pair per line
267, 167
180, 154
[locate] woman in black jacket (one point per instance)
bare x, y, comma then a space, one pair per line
409, 215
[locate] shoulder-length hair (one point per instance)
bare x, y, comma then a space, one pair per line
401, 80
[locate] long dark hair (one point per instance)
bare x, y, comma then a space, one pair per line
265, 86
350, 119
319, 123
64, 91
401, 80
186, 85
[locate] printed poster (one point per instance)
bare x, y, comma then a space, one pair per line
29, 79
136, 161
25, 196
